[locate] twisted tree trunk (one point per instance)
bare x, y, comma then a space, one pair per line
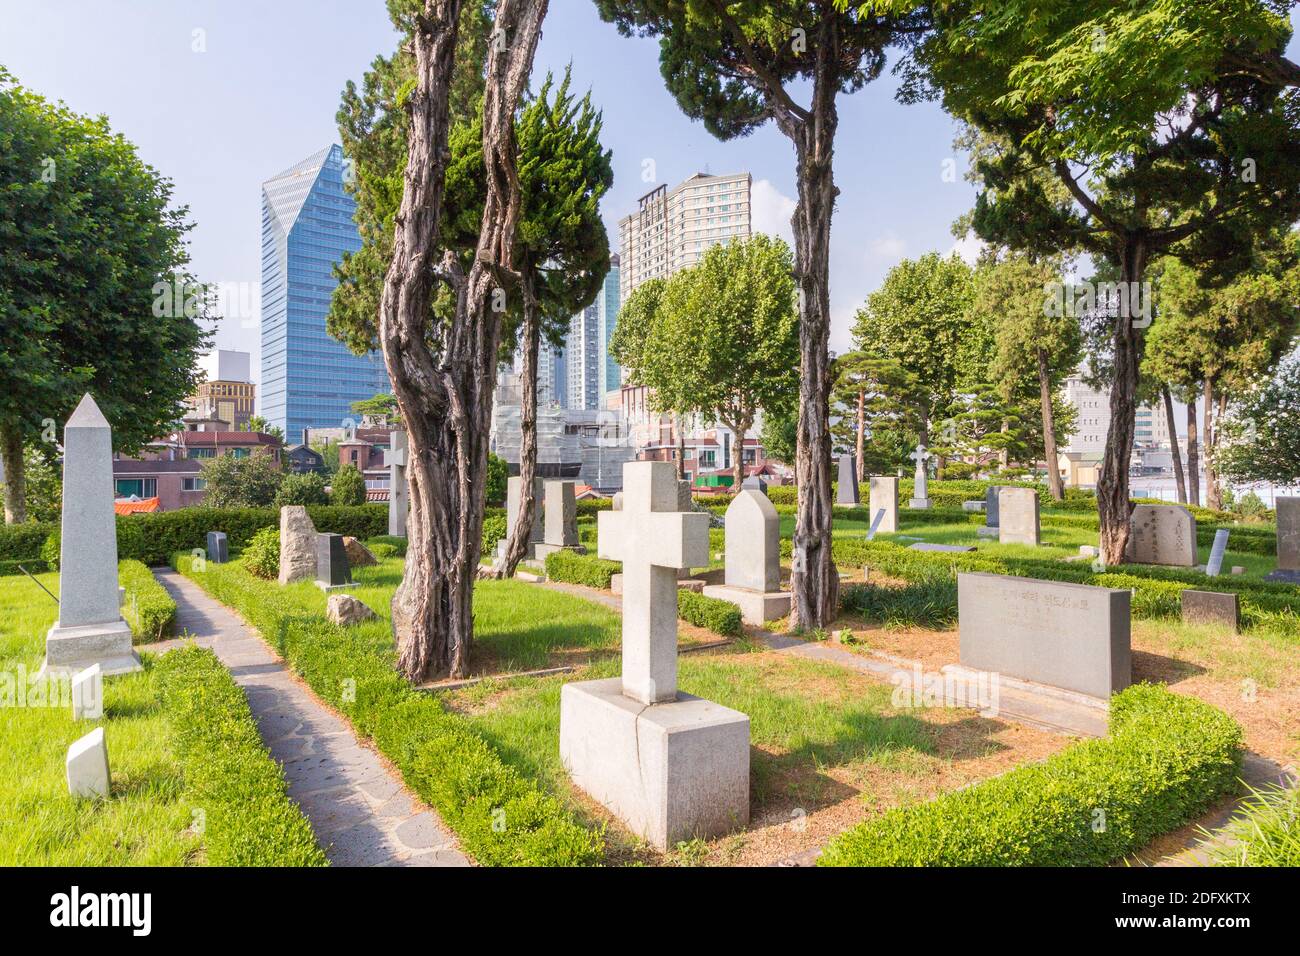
445, 393
1049, 427
1213, 493
1179, 481
1193, 457
1114, 509
862, 428
517, 542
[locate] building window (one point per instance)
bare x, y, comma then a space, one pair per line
193, 484
202, 453
708, 459
239, 452
139, 487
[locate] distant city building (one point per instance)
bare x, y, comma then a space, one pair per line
552, 375
308, 378
170, 469
227, 396
590, 371
1081, 456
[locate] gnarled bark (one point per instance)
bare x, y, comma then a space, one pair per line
11, 453
1213, 493
531, 340
1049, 427
1193, 457
1179, 481
445, 392
1114, 509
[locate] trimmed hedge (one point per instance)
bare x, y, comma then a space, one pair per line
34, 565
714, 614
22, 542
1168, 759
153, 538
501, 817
249, 819
147, 601
585, 569
398, 544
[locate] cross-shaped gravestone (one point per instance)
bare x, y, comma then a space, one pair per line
398, 494
921, 489
653, 540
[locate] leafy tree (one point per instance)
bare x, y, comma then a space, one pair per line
348, 487
307, 488
94, 294
725, 342
381, 407
918, 320
44, 484
779, 432
1178, 150
1260, 437
1029, 340
1221, 341
498, 473
735, 66
251, 482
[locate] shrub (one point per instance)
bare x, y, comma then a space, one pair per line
348, 487
250, 482
498, 474
249, 818
398, 544
306, 488
1265, 831
582, 569
494, 528
151, 608
262, 556
52, 550
31, 565
19, 541
714, 614
382, 551
438, 753
1168, 759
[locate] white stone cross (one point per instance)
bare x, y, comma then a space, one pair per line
653, 540
920, 456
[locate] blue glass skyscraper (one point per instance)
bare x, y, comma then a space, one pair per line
309, 380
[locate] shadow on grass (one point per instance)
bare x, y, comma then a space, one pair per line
1159, 668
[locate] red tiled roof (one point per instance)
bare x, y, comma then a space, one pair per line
136, 507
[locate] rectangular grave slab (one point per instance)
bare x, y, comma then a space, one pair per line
671, 771
1288, 534
1018, 516
1212, 607
218, 547
1072, 636
846, 487
991, 506
931, 546
1162, 534
883, 494
333, 570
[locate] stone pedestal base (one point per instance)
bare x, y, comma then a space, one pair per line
756, 607
671, 771
920, 504
72, 649
331, 588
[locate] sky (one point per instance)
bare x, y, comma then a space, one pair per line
220, 95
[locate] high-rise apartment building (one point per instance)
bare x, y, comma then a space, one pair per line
590, 371
309, 380
671, 228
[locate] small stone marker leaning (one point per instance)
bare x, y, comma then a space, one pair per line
1215, 564
1018, 516
753, 560
87, 766
670, 765
90, 628
846, 486
883, 496
218, 547
1162, 534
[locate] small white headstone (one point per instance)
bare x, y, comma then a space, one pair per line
1220, 547
87, 766
88, 693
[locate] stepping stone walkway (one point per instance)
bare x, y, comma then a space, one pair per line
359, 808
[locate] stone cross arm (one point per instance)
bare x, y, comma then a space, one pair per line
665, 539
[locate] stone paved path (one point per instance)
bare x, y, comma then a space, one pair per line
360, 810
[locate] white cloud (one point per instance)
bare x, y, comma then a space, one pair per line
968, 247
771, 211
888, 248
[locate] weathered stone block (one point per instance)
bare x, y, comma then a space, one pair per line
882, 494
345, 610
297, 545
846, 488
1018, 516
1212, 607
87, 766
1162, 534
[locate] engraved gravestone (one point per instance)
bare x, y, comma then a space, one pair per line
1288, 541
333, 571
883, 497
1072, 636
1018, 516
1162, 534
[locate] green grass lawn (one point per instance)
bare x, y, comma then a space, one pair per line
152, 816
146, 822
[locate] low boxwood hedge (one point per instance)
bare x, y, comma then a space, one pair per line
22, 542
720, 617
501, 817
16, 566
1168, 759
149, 610
585, 569
248, 817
